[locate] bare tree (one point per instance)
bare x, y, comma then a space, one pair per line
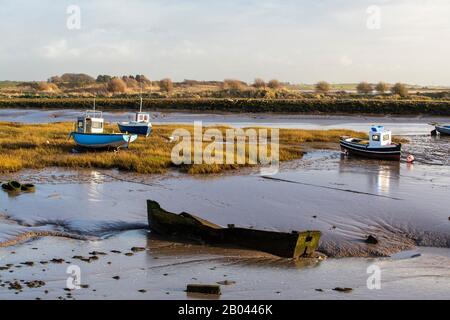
381, 87
117, 85
322, 87
259, 83
274, 84
166, 85
364, 88
400, 89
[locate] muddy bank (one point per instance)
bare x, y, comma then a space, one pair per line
403, 206
147, 268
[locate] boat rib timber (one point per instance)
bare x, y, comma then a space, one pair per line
189, 227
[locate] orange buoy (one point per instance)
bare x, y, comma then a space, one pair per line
410, 159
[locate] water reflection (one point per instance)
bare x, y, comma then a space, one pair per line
381, 176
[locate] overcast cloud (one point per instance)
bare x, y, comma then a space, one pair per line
296, 41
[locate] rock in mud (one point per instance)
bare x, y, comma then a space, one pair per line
345, 290
28, 263
203, 288
15, 286
226, 282
116, 277
35, 284
371, 240
58, 261
97, 253
137, 249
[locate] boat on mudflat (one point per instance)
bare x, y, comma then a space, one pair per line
189, 227
443, 129
379, 146
89, 133
141, 124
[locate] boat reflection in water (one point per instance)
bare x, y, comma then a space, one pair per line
380, 177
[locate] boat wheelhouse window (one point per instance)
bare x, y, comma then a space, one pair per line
376, 137
97, 125
80, 124
386, 137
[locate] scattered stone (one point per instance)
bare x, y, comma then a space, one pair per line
346, 290
97, 253
142, 291
129, 254
203, 288
35, 284
165, 274
28, 263
43, 262
115, 251
371, 240
137, 249
319, 290
15, 286
58, 261
315, 217
84, 286
227, 282
116, 277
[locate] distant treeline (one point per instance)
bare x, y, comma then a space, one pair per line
328, 106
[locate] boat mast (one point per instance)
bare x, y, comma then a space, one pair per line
140, 106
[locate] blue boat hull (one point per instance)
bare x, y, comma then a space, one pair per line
444, 130
102, 140
143, 129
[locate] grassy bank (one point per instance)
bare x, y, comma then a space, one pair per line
319, 105
47, 145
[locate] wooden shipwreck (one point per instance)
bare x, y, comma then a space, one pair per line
189, 227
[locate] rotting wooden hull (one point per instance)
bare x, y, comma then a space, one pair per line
387, 153
187, 226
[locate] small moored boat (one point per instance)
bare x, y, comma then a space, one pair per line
89, 133
379, 146
190, 227
141, 124
443, 129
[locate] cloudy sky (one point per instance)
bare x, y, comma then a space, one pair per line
293, 40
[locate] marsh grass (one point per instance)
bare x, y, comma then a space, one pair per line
37, 146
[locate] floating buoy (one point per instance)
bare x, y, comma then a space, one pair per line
410, 159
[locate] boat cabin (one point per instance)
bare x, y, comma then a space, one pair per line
142, 117
91, 122
379, 137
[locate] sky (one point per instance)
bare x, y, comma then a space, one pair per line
296, 41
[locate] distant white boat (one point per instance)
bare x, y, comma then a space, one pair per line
141, 124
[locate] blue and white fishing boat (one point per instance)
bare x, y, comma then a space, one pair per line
443, 129
379, 146
89, 133
141, 124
